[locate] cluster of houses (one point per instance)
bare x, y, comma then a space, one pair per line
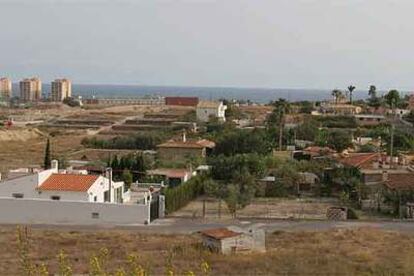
379, 171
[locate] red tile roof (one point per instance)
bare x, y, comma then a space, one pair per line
400, 181
184, 101
319, 150
171, 173
219, 233
68, 182
358, 159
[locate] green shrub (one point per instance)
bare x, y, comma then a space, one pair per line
352, 214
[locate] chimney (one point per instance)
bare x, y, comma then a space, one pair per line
54, 165
184, 136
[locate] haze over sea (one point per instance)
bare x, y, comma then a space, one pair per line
260, 95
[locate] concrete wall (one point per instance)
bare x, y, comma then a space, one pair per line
38, 211
204, 114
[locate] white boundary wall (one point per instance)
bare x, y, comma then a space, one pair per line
39, 211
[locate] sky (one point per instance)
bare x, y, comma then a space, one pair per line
318, 44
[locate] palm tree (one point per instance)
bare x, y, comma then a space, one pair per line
372, 92
351, 89
336, 93
282, 107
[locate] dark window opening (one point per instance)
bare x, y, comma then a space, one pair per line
106, 196
55, 197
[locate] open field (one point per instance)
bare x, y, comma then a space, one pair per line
17, 153
335, 252
281, 208
24, 146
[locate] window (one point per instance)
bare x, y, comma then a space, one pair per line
95, 215
18, 195
55, 197
95, 198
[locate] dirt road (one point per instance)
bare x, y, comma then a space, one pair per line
188, 226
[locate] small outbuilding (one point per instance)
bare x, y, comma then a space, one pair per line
232, 241
209, 109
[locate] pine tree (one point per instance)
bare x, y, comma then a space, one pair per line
47, 160
115, 163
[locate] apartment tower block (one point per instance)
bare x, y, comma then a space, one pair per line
5, 88
61, 89
30, 90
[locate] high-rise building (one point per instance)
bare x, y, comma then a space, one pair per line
30, 90
5, 88
61, 89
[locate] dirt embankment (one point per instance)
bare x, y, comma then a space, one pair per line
19, 134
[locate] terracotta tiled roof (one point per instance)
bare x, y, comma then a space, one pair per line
188, 144
220, 233
358, 159
68, 182
400, 181
206, 143
184, 101
319, 150
171, 173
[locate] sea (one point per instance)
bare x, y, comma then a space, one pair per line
258, 95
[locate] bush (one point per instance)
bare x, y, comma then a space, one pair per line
352, 214
276, 189
178, 197
142, 141
224, 167
242, 141
338, 121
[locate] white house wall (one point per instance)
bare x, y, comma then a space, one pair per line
204, 114
64, 195
40, 211
25, 185
100, 186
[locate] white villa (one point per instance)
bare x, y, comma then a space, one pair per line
209, 109
63, 185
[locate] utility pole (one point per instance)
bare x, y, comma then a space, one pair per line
109, 175
392, 137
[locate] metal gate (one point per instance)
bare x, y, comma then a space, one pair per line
155, 207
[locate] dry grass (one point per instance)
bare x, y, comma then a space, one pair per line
303, 208
336, 252
20, 147
15, 154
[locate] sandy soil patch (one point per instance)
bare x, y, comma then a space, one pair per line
304, 208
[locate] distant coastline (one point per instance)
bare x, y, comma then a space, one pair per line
260, 95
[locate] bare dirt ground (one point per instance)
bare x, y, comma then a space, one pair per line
303, 208
17, 153
363, 251
24, 145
